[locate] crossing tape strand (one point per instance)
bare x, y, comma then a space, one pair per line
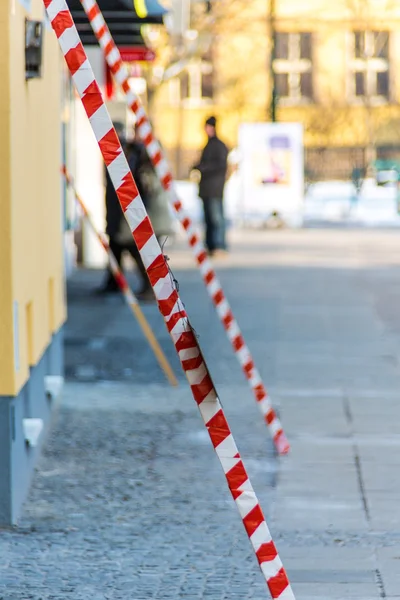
124, 287
169, 302
214, 288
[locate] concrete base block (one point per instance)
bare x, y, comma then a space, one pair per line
20, 437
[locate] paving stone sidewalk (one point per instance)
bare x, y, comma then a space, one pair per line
129, 501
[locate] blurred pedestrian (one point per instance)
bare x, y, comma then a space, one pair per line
213, 168
118, 231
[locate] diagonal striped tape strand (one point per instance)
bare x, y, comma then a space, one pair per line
124, 287
169, 302
242, 352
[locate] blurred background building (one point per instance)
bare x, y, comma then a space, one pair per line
331, 66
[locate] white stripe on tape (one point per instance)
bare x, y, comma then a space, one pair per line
55, 7
151, 251
113, 56
227, 448
97, 22
69, 39
287, 594
209, 407
246, 502
196, 375
228, 463
121, 75
271, 568
135, 213
83, 78
152, 149
100, 122
260, 536
222, 310
189, 353
118, 169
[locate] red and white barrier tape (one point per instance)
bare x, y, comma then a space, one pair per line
118, 275
169, 303
118, 68
123, 286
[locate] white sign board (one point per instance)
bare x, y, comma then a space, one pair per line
272, 171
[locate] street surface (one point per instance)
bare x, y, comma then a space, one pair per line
129, 501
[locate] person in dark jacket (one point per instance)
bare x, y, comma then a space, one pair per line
213, 167
117, 229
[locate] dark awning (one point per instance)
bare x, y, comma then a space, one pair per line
121, 18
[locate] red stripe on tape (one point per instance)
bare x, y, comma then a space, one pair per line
253, 520
192, 363
61, 22
208, 277
270, 416
93, 12
121, 281
168, 304
238, 342
266, 552
135, 106
92, 99
157, 157
218, 428
260, 392
148, 139
143, 233
166, 181
175, 318
178, 205
201, 390
201, 257
127, 191
116, 66
236, 477
102, 30
248, 368
75, 58
158, 269
228, 319
110, 147
278, 583
186, 340
218, 297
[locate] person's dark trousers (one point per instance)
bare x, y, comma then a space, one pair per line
117, 249
215, 224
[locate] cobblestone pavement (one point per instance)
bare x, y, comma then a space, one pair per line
129, 501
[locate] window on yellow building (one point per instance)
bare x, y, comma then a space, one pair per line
370, 66
195, 85
293, 67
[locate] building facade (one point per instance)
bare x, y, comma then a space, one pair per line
32, 305
335, 67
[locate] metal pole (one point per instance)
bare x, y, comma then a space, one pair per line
272, 35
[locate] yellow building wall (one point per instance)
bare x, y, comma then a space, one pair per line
31, 193
6, 323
